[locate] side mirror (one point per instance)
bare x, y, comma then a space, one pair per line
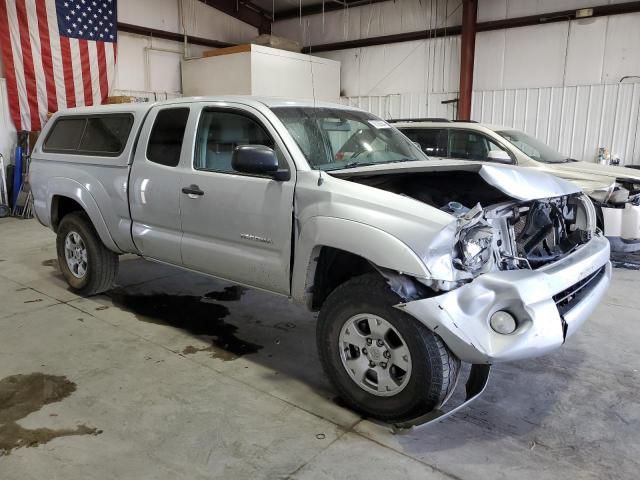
258, 160
499, 156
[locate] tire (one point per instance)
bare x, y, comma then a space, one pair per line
429, 378
101, 263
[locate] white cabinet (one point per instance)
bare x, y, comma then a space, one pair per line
262, 71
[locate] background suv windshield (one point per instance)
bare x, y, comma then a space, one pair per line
332, 138
532, 147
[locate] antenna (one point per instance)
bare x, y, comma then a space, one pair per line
313, 92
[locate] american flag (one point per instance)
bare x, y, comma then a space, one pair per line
56, 54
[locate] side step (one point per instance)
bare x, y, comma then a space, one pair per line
476, 383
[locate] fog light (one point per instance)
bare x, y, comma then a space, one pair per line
503, 322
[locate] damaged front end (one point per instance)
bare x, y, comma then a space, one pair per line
519, 267
508, 236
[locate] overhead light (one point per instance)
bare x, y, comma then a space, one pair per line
584, 13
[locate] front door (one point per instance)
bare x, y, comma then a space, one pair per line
236, 226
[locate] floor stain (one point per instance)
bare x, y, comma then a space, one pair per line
229, 294
286, 326
196, 315
21, 395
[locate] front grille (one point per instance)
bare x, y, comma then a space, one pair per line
568, 298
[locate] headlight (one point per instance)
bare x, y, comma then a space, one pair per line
475, 248
586, 216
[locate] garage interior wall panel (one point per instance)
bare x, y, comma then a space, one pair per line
150, 67
557, 81
200, 20
384, 18
576, 120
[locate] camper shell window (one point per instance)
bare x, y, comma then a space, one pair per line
96, 135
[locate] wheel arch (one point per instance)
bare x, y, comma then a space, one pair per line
330, 251
66, 196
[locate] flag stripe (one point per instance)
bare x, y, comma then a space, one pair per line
56, 56
86, 71
102, 69
110, 49
7, 57
95, 73
47, 59
21, 85
38, 68
27, 59
76, 71
67, 69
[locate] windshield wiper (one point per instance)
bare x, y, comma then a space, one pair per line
367, 164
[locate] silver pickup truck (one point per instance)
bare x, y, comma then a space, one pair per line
415, 265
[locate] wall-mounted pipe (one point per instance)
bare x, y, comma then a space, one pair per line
176, 37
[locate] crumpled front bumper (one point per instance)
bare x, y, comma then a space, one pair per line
461, 317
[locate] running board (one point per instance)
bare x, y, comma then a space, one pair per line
476, 383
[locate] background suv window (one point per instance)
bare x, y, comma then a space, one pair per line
433, 141
219, 133
469, 145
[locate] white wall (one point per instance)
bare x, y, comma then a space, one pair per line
7, 132
575, 120
142, 68
558, 62
580, 52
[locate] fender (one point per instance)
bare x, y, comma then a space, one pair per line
67, 187
375, 245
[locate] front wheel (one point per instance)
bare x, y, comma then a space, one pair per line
88, 266
383, 362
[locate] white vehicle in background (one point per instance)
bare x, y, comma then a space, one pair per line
614, 190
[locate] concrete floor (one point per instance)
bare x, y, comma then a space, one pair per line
165, 403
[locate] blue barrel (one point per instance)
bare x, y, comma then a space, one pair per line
17, 175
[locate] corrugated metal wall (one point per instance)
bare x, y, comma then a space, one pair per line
576, 120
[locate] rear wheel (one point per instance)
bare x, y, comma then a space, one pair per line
383, 362
88, 266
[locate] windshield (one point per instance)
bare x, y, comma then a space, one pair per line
333, 138
532, 147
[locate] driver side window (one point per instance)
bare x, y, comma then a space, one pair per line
219, 133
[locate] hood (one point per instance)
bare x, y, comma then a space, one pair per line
609, 171
518, 183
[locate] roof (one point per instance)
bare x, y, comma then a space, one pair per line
270, 102
447, 124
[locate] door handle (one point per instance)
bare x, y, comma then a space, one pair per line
192, 190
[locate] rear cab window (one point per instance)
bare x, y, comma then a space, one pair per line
167, 135
93, 135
